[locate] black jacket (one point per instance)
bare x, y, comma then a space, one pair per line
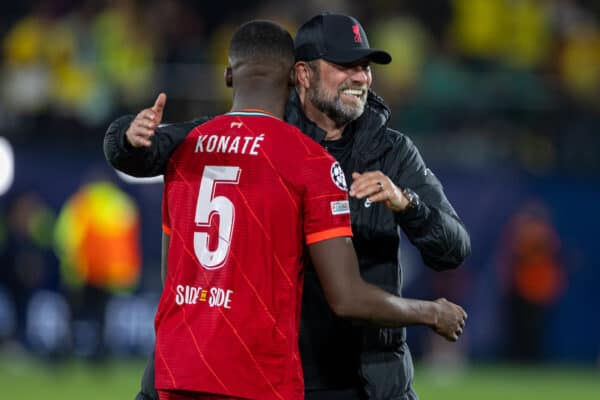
335, 352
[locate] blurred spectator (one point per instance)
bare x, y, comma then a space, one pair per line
125, 50
407, 42
83, 62
97, 241
528, 34
516, 32
27, 261
580, 63
26, 81
532, 278
457, 62
479, 27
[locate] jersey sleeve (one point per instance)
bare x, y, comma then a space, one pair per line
326, 208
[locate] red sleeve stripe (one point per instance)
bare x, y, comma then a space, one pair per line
166, 229
328, 234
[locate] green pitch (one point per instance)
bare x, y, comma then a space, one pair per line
29, 379
503, 382
24, 379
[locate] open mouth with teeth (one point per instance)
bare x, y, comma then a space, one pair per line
357, 93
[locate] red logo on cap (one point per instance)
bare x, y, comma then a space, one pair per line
356, 31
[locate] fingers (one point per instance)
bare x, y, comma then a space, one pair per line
159, 106
454, 335
147, 115
146, 119
367, 184
160, 102
139, 136
451, 336
373, 185
461, 319
457, 333
140, 141
142, 129
452, 321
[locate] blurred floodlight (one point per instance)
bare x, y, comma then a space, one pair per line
137, 181
7, 165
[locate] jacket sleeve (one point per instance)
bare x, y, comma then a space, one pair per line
144, 161
433, 227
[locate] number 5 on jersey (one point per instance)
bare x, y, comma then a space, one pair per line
208, 205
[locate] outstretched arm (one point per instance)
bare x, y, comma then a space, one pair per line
349, 296
140, 145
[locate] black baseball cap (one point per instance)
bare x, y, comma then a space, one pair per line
336, 38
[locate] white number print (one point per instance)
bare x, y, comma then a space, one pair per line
208, 204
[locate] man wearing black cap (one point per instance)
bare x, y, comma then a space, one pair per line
391, 188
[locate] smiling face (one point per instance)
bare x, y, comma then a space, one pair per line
340, 91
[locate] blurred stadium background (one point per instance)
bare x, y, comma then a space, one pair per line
502, 97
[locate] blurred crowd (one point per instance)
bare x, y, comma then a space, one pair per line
67, 277
505, 80
494, 92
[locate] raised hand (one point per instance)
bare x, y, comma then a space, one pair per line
142, 128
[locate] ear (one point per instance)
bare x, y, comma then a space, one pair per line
228, 75
302, 72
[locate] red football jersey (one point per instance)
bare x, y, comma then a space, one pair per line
243, 194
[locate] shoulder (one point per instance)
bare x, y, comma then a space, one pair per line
403, 158
182, 127
400, 143
302, 144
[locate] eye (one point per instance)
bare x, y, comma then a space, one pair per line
363, 66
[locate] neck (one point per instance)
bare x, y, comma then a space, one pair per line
333, 131
273, 103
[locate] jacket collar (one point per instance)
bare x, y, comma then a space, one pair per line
369, 141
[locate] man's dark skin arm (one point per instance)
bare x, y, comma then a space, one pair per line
349, 296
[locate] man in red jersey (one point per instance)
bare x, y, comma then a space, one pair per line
243, 194
237, 210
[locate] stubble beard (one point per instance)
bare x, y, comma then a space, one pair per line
332, 105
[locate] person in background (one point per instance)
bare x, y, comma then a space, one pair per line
97, 240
